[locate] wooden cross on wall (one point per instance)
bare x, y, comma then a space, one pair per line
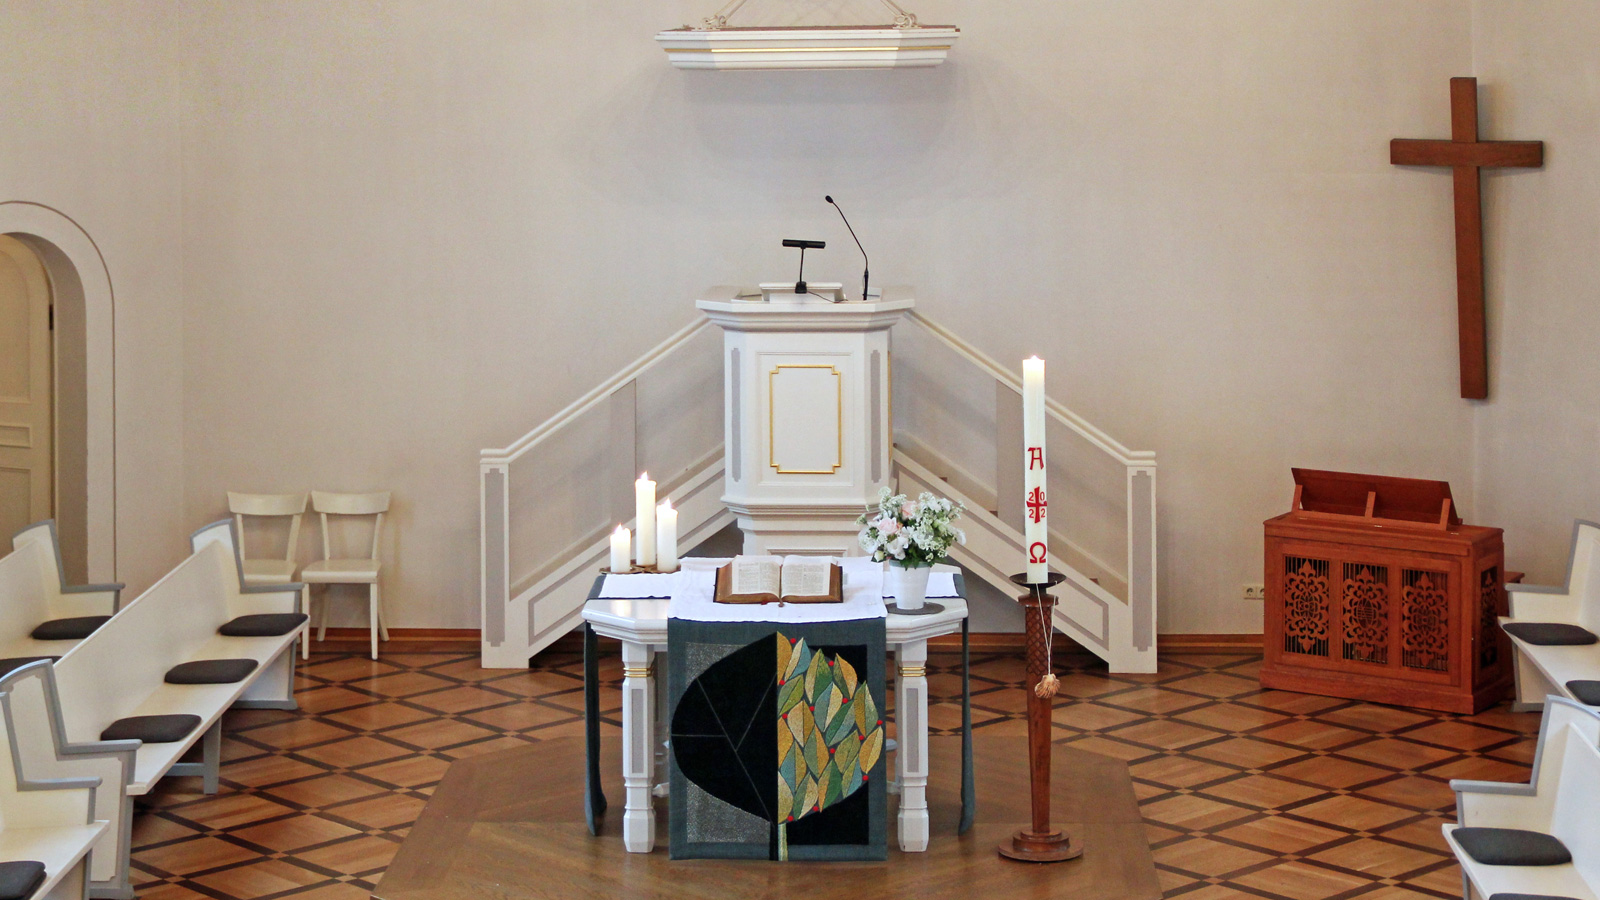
1466, 155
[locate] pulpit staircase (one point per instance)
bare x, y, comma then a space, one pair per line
564, 485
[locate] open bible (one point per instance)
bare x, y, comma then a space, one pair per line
774, 579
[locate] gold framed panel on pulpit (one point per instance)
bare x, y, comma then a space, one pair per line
801, 404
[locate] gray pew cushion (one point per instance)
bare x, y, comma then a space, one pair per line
263, 625
1505, 896
1587, 692
1512, 847
75, 629
1550, 634
152, 729
17, 662
211, 671
18, 880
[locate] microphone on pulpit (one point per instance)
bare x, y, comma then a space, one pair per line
865, 262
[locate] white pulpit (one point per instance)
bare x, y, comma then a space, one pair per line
806, 415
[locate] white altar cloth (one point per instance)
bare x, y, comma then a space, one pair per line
692, 589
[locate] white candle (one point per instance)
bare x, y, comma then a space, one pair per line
644, 508
620, 549
666, 537
1036, 520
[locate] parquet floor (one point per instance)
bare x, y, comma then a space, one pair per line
1245, 793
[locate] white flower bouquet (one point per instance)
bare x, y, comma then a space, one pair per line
910, 533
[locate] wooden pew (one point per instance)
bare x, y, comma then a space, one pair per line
34, 591
51, 819
1559, 800
1553, 669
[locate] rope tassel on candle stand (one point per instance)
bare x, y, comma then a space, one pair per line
1048, 683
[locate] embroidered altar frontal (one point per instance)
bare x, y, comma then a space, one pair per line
777, 740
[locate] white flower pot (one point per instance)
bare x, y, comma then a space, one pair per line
907, 584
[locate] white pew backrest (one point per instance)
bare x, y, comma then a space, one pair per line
1495, 803
48, 819
1578, 599
1559, 798
1573, 820
29, 703
32, 591
166, 625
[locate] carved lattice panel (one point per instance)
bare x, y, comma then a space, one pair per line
1305, 606
1488, 618
1364, 613
1425, 620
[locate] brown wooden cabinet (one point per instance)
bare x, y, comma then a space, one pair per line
1375, 590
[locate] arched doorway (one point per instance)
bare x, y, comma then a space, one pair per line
28, 416
82, 413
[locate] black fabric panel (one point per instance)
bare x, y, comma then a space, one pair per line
725, 729
1550, 634
713, 764
1512, 847
19, 879
1587, 692
845, 822
969, 788
7, 666
263, 625
152, 729
594, 799
75, 629
211, 671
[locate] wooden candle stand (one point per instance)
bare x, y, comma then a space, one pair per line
1041, 843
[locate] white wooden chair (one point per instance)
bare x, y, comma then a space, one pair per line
32, 711
41, 617
44, 819
349, 570
1558, 802
271, 571
1555, 668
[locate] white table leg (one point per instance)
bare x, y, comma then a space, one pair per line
638, 752
911, 727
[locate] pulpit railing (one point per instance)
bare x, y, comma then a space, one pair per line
549, 499
1107, 604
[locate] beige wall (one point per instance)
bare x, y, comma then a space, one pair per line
414, 230
1538, 436
354, 243
90, 108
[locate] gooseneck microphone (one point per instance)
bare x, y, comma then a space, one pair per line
866, 264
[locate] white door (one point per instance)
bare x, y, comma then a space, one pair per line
27, 483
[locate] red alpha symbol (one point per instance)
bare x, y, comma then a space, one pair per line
1035, 458
1036, 505
1036, 552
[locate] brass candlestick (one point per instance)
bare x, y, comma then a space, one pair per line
1041, 843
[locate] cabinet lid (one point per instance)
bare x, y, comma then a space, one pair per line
1370, 497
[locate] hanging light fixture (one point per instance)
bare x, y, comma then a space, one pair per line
715, 44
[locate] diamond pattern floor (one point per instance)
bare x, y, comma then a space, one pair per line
1245, 792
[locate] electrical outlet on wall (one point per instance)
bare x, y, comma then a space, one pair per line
1255, 592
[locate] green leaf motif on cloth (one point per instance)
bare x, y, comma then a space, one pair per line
829, 736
